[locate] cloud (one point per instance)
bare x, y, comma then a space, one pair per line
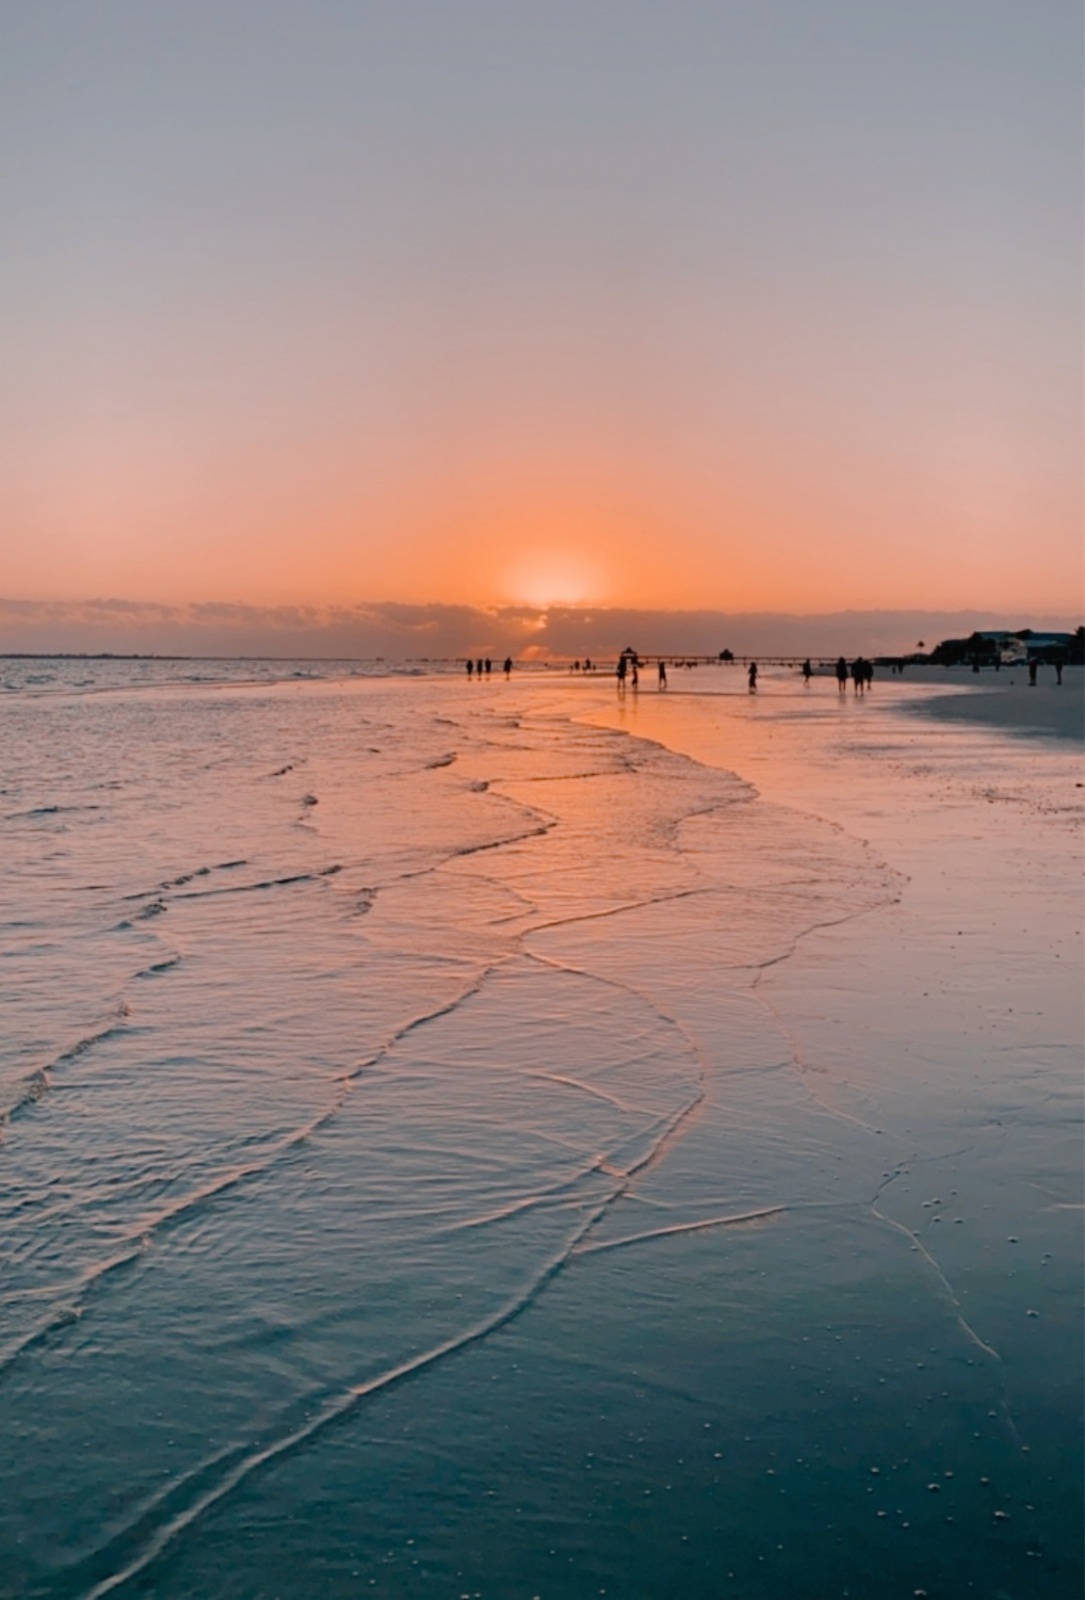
397, 630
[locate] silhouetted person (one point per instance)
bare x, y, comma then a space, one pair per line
634, 666
587, 664
1032, 674
489, 666
868, 672
1058, 663
858, 674
623, 663
807, 672
751, 676
662, 674
508, 665
478, 666
470, 669
841, 674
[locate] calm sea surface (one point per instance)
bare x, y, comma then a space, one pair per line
454, 1147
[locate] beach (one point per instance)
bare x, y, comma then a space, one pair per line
511, 1139
1006, 699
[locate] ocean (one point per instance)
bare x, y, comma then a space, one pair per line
495, 1139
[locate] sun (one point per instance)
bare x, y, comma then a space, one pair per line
554, 580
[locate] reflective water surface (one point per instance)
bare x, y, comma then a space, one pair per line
483, 1139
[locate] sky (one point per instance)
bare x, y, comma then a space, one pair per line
746, 306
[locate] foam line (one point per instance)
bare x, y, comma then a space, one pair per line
264, 883
345, 1402
735, 1219
158, 967
555, 1196
916, 1241
617, 911
170, 1216
38, 1082
473, 988
678, 1122
340, 1406
141, 1236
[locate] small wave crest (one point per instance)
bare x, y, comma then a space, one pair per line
30, 1089
36, 812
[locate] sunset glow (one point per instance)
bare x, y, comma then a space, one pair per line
690, 311
555, 580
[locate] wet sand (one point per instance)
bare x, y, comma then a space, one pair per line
1004, 699
946, 1025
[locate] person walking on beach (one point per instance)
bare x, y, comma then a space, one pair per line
807, 672
842, 675
508, 665
1032, 674
751, 677
622, 663
858, 675
489, 666
662, 674
634, 665
1058, 663
470, 667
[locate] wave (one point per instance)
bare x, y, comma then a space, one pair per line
157, 905
568, 1211
335, 1408
158, 967
30, 1089
48, 811
264, 883
154, 908
138, 1239
228, 1471
737, 1219
197, 872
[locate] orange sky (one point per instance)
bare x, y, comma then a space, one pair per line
715, 309
781, 521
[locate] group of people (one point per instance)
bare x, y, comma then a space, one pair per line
1058, 662
628, 669
861, 673
484, 666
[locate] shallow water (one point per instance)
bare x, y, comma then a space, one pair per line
453, 1146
